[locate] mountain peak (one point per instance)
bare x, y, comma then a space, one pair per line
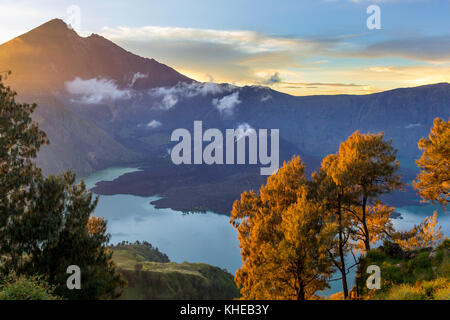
52, 54
52, 29
55, 23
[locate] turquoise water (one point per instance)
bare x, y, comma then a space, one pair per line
413, 215
207, 237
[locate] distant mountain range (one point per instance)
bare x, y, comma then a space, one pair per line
102, 105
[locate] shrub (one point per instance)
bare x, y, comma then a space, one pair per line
429, 288
405, 292
442, 294
26, 288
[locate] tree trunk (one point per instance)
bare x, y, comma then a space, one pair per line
301, 292
364, 220
341, 253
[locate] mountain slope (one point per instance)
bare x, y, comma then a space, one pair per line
150, 276
51, 54
122, 109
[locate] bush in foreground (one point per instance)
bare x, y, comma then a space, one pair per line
26, 288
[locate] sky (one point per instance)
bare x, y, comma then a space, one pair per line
301, 47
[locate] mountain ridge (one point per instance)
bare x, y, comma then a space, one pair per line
130, 122
48, 56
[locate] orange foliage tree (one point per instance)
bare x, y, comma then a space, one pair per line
284, 237
433, 181
366, 166
425, 235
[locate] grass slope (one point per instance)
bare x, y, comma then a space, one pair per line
409, 275
150, 275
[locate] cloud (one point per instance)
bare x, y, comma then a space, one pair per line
154, 124
170, 96
322, 84
266, 97
227, 103
228, 54
136, 77
412, 125
243, 40
275, 78
418, 47
292, 64
96, 90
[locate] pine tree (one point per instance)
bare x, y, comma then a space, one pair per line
283, 238
433, 181
367, 165
20, 141
46, 223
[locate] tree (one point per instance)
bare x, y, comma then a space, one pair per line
303, 264
283, 238
20, 141
379, 224
60, 230
46, 223
433, 181
425, 235
335, 197
366, 165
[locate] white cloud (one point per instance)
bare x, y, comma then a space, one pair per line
244, 40
170, 96
154, 124
96, 90
227, 104
266, 97
412, 125
136, 77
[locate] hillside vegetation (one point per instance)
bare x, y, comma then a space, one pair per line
422, 274
150, 275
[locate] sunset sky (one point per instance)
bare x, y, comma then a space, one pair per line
298, 47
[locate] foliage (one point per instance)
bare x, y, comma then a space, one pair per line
425, 235
417, 274
366, 166
433, 181
378, 223
284, 238
438, 289
139, 251
334, 197
26, 288
20, 141
59, 230
45, 222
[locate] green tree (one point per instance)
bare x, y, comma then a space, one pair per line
433, 181
46, 223
20, 141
